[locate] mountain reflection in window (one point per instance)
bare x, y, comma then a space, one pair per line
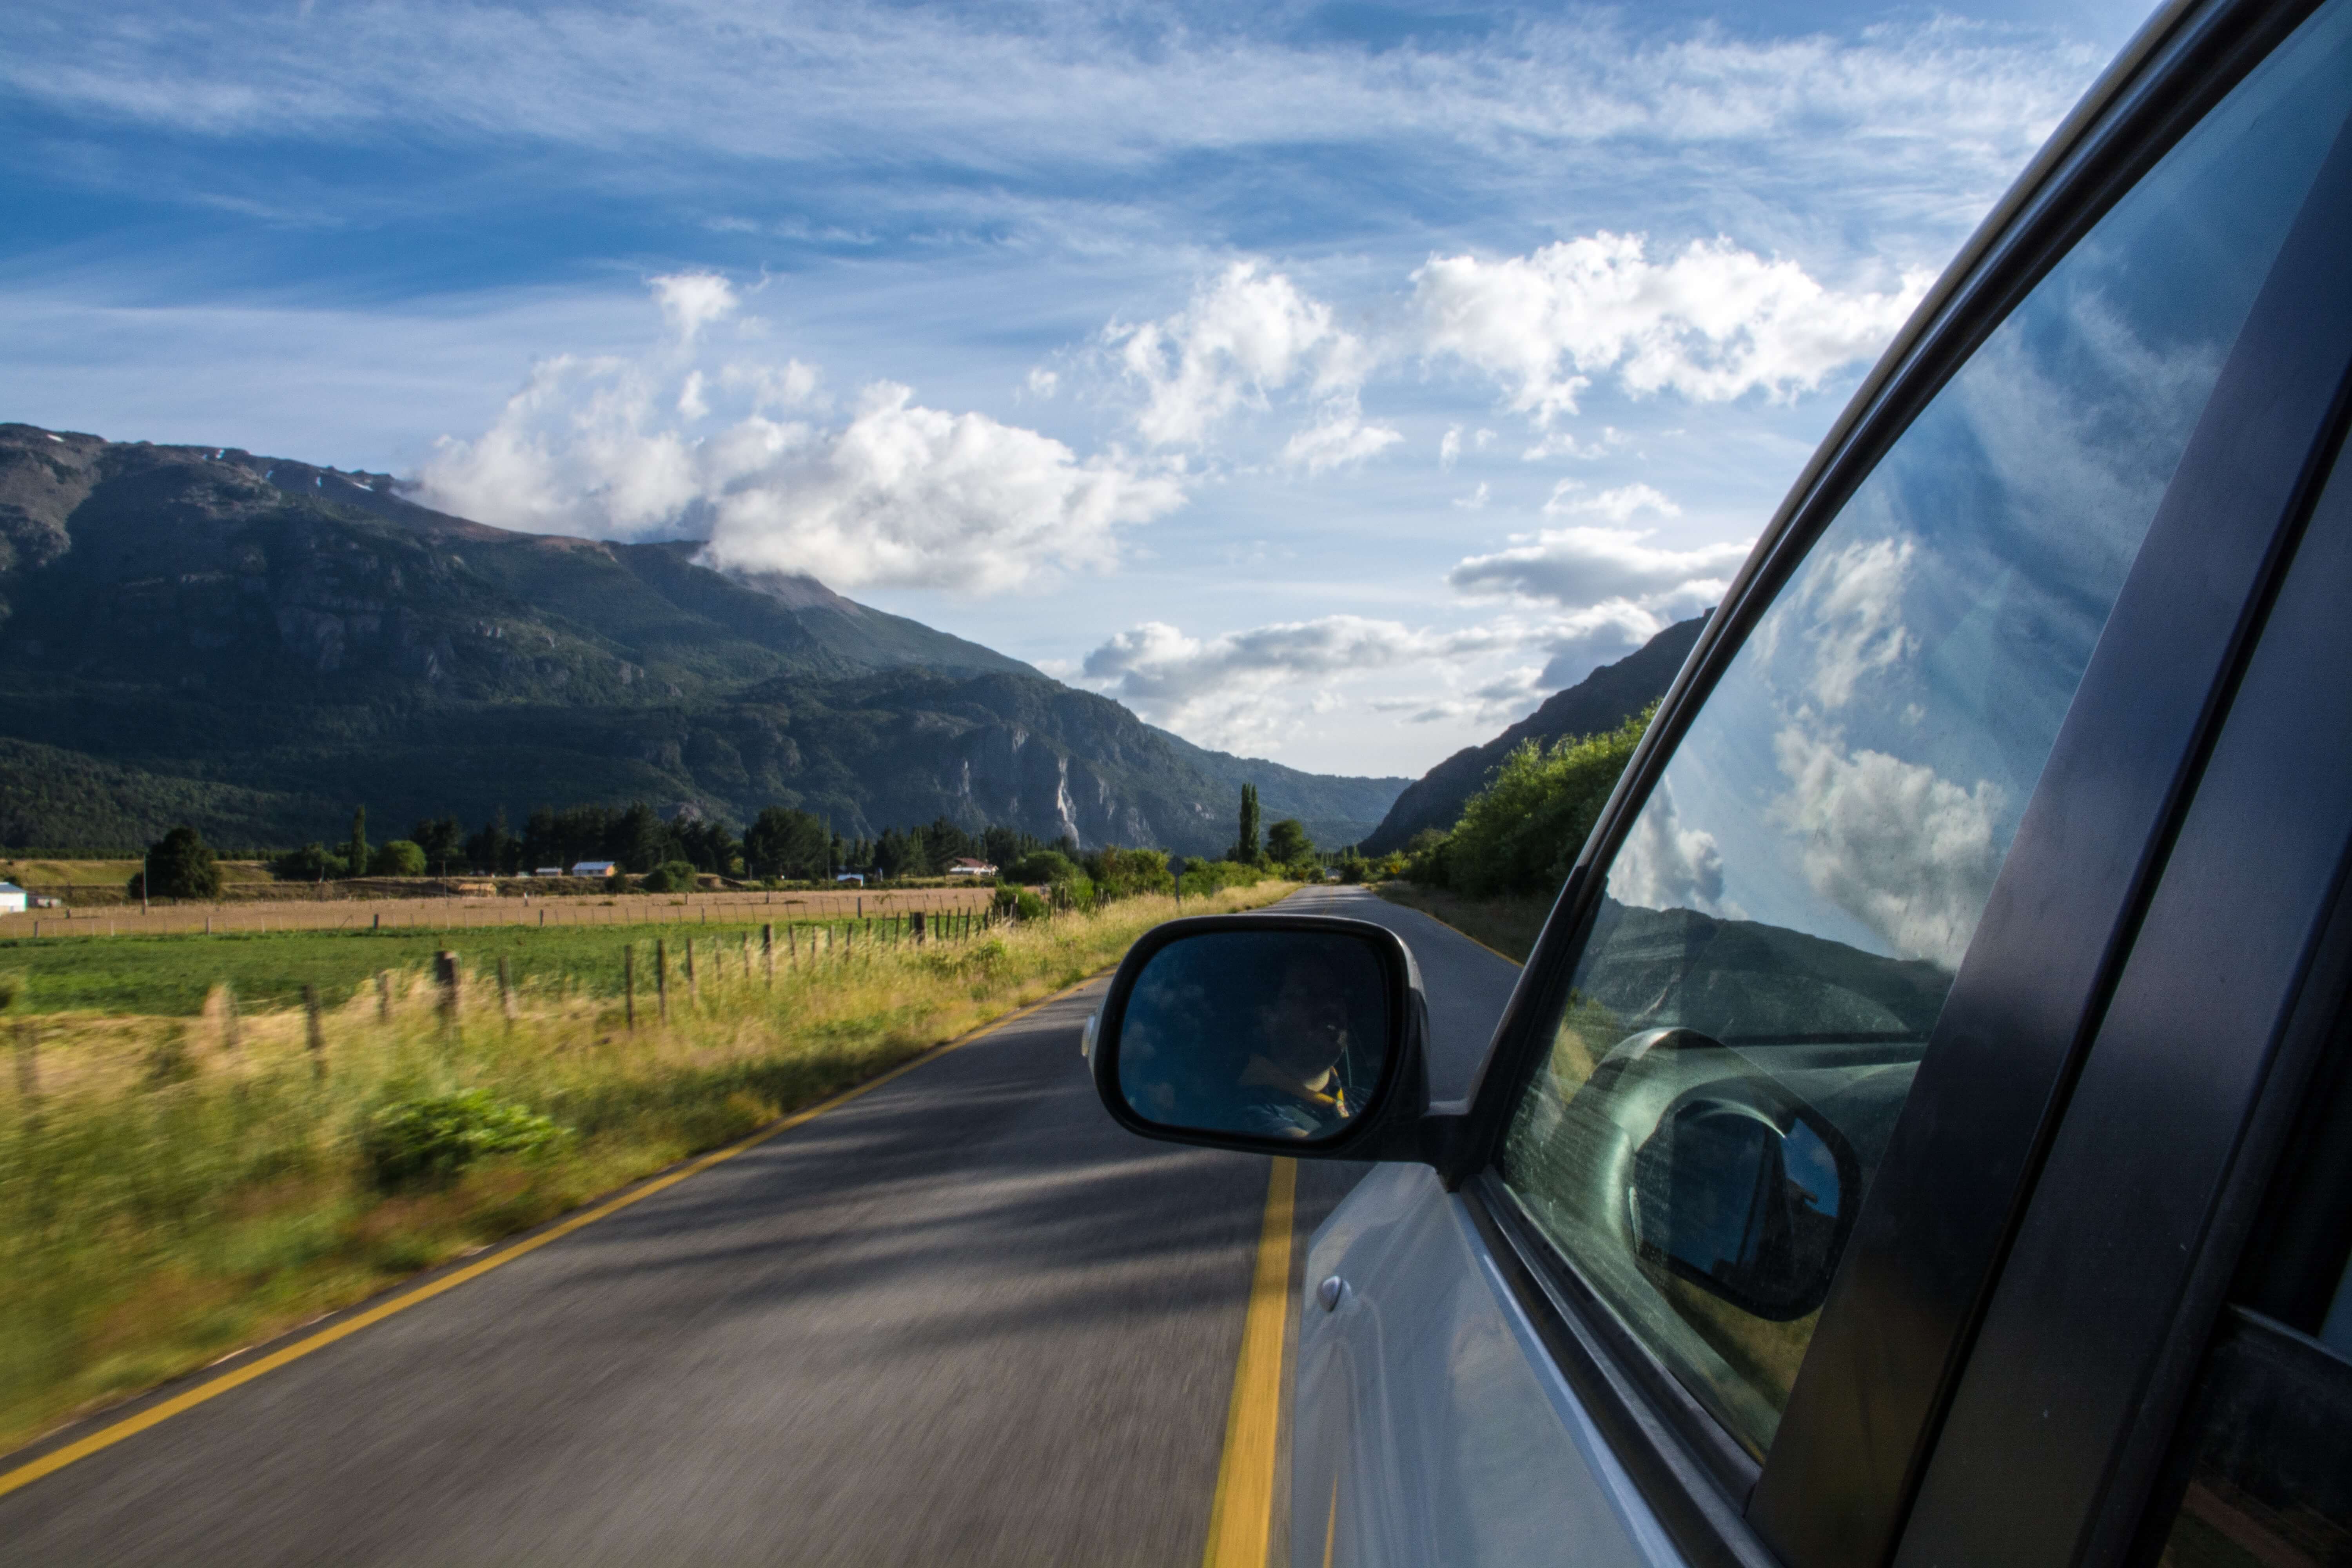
1785, 916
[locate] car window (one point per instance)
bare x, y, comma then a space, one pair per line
2262, 1468
1784, 918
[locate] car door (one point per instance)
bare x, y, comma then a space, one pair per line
1705, 1276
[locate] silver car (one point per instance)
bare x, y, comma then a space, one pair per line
1923, 1132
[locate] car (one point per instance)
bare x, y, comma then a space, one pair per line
1922, 1133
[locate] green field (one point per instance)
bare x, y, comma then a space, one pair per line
169, 975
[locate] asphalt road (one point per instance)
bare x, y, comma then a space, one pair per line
960, 1319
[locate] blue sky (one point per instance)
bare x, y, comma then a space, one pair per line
1326, 382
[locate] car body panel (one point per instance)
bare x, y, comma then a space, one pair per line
1431, 1426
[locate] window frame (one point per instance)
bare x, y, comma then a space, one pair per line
1803, 1505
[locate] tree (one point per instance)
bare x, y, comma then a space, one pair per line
443, 839
1245, 844
782, 842
180, 865
495, 850
1287, 843
400, 857
355, 854
640, 840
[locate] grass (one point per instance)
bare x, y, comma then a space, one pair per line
1508, 922
172, 975
174, 1185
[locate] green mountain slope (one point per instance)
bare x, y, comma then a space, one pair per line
211, 632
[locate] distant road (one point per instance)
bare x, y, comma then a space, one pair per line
962, 1319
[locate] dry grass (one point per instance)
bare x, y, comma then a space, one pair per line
170, 1188
1508, 922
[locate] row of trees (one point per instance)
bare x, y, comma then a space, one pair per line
780, 843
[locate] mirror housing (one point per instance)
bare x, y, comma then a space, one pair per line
1299, 1034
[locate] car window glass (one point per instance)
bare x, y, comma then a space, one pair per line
1786, 914
2262, 1465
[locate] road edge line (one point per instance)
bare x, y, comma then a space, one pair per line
155, 1415
1240, 1519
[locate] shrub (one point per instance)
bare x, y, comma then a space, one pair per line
1123, 873
1043, 866
1203, 879
312, 863
400, 857
1026, 905
1521, 832
670, 876
411, 1142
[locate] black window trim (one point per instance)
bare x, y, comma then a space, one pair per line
2184, 62
2200, 1148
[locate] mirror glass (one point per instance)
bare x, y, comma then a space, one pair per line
1741, 1203
1273, 1034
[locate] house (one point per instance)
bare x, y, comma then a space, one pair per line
857, 876
967, 867
596, 867
549, 871
12, 898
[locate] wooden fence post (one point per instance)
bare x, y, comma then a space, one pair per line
768, 951
629, 985
506, 990
692, 992
661, 976
445, 971
384, 995
916, 920
317, 1030
231, 1037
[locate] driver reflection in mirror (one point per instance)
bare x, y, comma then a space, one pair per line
1303, 1038
1277, 1035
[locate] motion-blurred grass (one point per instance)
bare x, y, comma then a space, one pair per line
172, 1186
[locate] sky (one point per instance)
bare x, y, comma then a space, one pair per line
1327, 382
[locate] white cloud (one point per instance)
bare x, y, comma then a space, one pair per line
1666, 866
912, 497
1243, 688
1449, 446
1619, 505
1711, 324
1584, 565
1475, 500
1560, 443
1855, 602
1908, 853
901, 495
1247, 336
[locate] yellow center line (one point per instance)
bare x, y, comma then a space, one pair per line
155, 1415
1241, 1520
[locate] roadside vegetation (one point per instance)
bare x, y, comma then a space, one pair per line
1494, 875
177, 1180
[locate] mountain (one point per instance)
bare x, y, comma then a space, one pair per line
255, 645
1601, 701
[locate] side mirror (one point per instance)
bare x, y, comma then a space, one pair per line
1282, 1034
1746, 1193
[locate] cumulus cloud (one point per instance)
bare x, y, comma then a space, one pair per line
1665, 864
1711, 322
1907, 852
1585, 565
1240, 688
1242, 338
1854, 603
1475, 500
901, 495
